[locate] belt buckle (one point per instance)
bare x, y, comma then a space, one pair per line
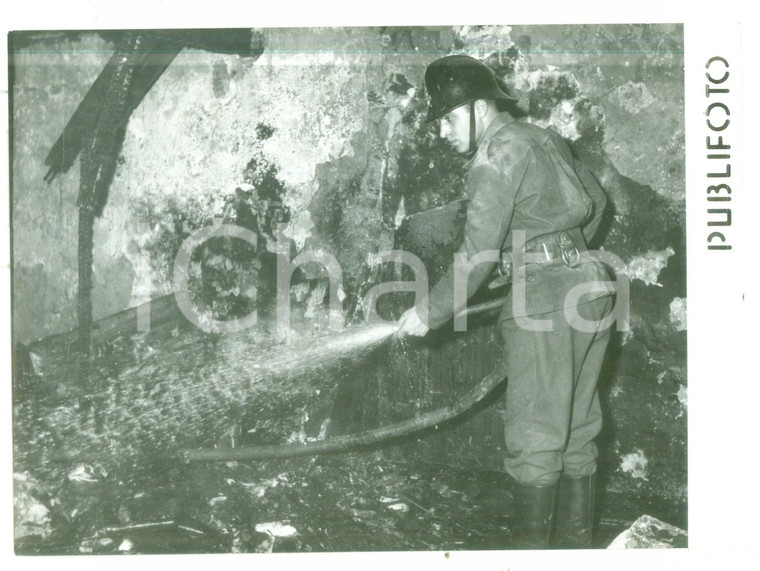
506, 266
567, 249
504, 269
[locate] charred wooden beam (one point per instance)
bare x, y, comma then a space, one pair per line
97, 129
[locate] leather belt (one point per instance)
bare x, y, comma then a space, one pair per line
547, 250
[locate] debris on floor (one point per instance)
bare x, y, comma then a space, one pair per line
648, 532
365, 501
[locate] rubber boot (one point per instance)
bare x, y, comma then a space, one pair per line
575, 513
534, 516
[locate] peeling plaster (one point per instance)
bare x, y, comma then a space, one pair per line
633, 97
564, 120
678, 313
562, 91
682, 395
481, 40
400, 214
299, 230
635, 464
647, 268
316, 298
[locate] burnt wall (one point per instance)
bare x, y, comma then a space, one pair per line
321, 136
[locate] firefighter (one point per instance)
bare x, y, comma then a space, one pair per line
531, 210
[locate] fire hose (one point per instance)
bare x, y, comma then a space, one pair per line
353, 441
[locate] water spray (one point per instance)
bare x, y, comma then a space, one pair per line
179, 405
362, 336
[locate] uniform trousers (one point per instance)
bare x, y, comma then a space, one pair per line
552, 410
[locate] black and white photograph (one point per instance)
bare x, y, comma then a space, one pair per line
357, 288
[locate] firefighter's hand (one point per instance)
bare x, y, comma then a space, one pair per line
411, 324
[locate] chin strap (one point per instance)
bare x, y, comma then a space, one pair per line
472, 128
